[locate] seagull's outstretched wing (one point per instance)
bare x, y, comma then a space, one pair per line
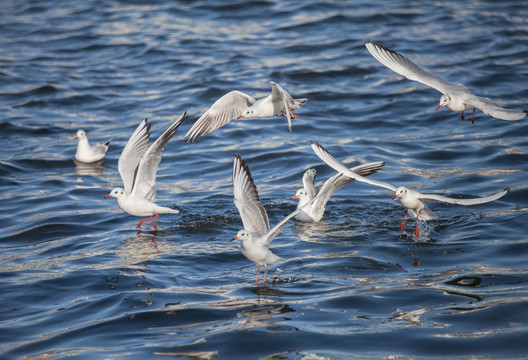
324, 155
473, 201
339, 180
247, 200
278, 94
132, 154
144, 186
308, 180
491, 108
405, 67
225, 109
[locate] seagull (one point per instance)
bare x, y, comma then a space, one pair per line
455, 96
257, 235
138, 195
411, 200
314, 212
236, 104
85, 152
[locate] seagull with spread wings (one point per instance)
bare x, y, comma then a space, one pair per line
236, 104
315, 211
256, 236
139, 192
411, 200
455, 96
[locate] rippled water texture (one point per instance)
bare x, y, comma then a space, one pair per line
78, 280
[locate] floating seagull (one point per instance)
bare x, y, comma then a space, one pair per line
455, 96
236, 104
257, 235
410, 199
315, 211
137, 197
85, 152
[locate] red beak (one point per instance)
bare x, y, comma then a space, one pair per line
394, 197
107, 196
240, 117
295, 197
438, 107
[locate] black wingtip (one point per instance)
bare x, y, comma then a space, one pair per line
318, 145
373, 42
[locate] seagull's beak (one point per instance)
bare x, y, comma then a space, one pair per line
295, 197
76, 138
235, 238
395, 196
439, 106
240, 117
107, 196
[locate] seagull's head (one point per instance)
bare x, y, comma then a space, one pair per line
444, 100
248, 113
117, 193
80, 135
300, 194
400, 192
242, 235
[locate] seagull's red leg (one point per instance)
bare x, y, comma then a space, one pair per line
258, 273
416, 232
402, 227
154, 220
462, 116
473, 116
292, 115
265, 273
142, 221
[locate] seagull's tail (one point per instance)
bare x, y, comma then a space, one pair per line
297, 103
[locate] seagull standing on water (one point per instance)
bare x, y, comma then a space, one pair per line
138, 195
411, 200
315, 211
85, 152
236, 104
455, 96
257, 235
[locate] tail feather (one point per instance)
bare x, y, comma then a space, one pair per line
297, 103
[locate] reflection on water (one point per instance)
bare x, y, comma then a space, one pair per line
95, 168
140, 248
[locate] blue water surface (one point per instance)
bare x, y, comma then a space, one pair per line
78, 280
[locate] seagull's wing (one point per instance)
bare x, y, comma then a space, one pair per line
493, 109
225, 109
339, 180
132, 153
144, 186
279, 94
473, 201
247, 200
405, 67
101, 148
324, 155
308, 182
